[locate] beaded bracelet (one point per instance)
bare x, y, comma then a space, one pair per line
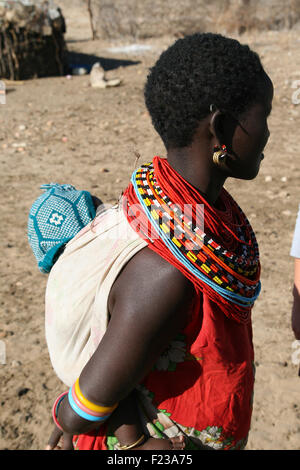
56, 407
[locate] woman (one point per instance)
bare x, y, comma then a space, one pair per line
179, 310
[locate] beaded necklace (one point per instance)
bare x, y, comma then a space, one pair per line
230, 278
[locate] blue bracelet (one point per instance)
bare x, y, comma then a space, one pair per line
82, 413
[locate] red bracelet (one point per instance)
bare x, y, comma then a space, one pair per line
55, 409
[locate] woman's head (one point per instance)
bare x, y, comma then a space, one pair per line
196, 72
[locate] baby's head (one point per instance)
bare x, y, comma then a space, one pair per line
55, 218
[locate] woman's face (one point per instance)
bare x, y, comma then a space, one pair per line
250, 138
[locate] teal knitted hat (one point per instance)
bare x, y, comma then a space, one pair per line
55, 218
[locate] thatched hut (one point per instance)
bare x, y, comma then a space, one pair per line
31, 39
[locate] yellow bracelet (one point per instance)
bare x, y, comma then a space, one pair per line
90, 405
131, 446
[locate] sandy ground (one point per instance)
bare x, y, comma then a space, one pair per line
62, 130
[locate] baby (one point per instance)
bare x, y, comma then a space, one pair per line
55, 218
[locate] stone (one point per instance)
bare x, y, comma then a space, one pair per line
23, 391
16, 363
98, 80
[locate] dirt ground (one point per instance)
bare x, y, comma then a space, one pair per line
62, 130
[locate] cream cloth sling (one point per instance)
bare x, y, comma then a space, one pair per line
78, 288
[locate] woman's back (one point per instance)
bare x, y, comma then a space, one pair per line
78, 288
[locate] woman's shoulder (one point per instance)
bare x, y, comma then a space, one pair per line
150, 279
148, 267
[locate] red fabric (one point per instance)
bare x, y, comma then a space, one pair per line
213, 386
94, 440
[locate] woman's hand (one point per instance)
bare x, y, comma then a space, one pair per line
296, 303
296, 319
60, 440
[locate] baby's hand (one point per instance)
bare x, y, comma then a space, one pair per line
96, 201
174, 443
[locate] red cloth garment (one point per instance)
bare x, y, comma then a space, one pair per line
208, 391
203, 382
95, 440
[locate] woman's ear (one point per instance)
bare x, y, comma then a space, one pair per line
216, 127
222, 127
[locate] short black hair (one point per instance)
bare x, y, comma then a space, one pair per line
195, 72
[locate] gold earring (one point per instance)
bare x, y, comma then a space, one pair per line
219, 155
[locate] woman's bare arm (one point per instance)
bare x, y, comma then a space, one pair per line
148, 306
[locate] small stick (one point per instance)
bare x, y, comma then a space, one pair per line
9, 57
89, 7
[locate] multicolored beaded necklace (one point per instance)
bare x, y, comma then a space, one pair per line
169, 209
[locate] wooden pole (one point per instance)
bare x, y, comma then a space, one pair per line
89, 7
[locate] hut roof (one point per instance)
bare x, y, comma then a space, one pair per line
35, 16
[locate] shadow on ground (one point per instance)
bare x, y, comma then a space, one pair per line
76, 59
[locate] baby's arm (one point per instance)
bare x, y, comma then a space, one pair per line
126, 426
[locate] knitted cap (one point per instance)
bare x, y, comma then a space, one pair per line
55, 218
